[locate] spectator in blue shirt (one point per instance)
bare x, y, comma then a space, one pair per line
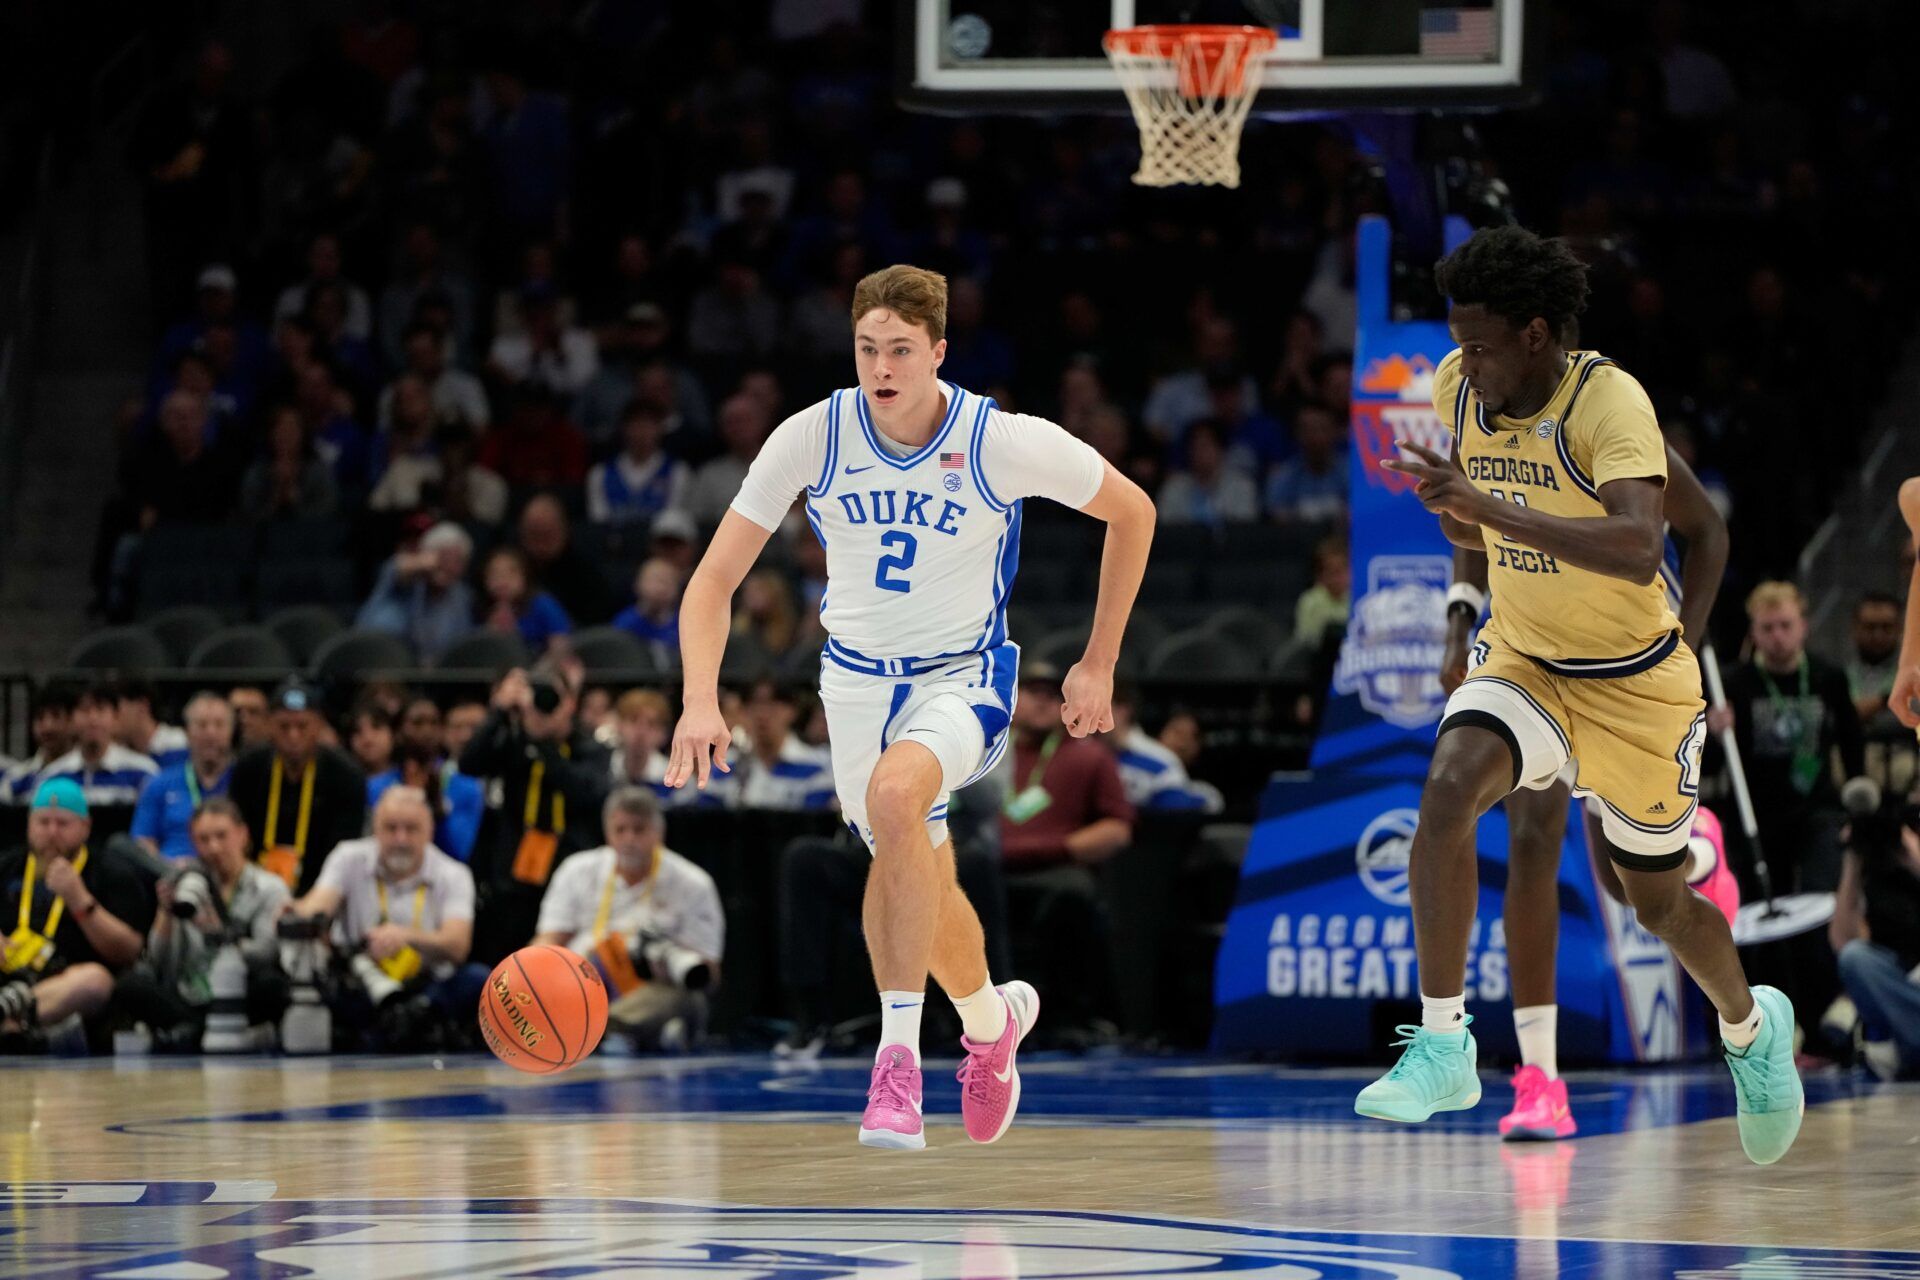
513, 606
422, 595
654, 615
163, 818
420, 760
1312, 488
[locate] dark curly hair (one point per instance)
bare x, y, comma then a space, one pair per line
1517, 275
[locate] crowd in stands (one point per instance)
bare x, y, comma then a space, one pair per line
507, 815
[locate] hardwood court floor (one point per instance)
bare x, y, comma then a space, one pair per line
196, 1170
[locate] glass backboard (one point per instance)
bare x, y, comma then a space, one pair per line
1333, 55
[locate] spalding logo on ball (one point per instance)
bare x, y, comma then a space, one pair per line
544, 1009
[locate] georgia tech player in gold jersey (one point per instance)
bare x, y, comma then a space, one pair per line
1558, 475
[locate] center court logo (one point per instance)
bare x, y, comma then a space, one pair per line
1382, 855
1391, 656
616, 1239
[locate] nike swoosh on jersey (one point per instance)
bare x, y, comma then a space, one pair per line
854, 471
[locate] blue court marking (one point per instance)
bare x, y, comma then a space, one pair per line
623, 1238
1060, 1090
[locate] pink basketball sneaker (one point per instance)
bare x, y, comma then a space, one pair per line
1716, 884
989, 1084
893, 1103
1540, 1111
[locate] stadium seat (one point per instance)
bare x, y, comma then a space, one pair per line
303, 627
355, 654
120, 649
1170, 580
285, 583
609, 650
493, 652
191, 564
1264, 583
183, 627
1252, 629
304, 538
1067, 645
1202, 654
253, 649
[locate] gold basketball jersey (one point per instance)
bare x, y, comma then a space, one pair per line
1598, 427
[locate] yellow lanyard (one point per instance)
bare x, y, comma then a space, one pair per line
419, 901
273, 808
537, 775
602, 916
59, 903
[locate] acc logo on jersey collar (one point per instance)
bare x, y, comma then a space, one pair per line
1545, 429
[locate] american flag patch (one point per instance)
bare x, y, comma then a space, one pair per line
952, 461
1456, 33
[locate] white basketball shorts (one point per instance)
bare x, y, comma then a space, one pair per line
959, 708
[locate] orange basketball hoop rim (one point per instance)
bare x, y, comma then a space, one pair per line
1209, 59
1190, 93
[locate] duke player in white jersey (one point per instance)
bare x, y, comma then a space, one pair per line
914, 487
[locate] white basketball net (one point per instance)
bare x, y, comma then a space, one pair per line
1190, 95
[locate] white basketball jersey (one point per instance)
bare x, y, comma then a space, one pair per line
921, 547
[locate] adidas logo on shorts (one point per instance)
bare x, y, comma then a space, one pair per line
1661, 807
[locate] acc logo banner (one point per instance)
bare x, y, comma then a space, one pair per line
1391, 657
1382, 855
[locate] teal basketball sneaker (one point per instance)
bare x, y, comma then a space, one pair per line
1436, 1073
1772, 1100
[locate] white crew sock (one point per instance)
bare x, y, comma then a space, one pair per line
983, 1015
1444, 1015
1738, 1035
900, 1021
1538, 1026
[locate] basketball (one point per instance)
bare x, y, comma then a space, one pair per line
543, 1010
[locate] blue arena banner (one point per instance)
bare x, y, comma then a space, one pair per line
1318, 955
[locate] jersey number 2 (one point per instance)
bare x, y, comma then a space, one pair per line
902, 559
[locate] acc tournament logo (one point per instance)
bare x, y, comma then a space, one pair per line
1391, 655
611, 1239
1382, 855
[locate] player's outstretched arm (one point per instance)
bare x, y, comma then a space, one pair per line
1625, 543
1906, 682
1129, 513
1698, 522
701, 738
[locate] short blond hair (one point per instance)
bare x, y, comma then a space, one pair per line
1771, 595
639, 701
915, 294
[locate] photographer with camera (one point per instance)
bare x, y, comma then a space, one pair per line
552, 779
402, 929
649, 919
301, 797
215, 897
1876, 927
79, 915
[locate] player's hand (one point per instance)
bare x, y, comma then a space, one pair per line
1088, 699
1906, 688
1453, 661
65, 881
700, 743
1441, 487
384, 941
1719, 718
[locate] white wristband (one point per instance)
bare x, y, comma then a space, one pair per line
1468, 594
